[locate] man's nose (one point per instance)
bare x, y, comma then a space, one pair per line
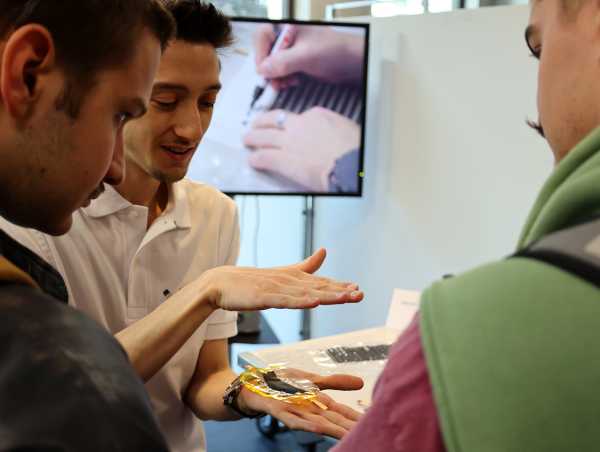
189, 126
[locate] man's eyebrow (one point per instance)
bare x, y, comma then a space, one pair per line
215, 87
166, 86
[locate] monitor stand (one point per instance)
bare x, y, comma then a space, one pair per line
309, 223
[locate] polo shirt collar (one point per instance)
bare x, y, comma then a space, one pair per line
111, 202
178, 201
108, 203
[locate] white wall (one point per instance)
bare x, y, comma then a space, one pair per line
451, 169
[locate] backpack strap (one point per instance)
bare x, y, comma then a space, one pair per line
575, 250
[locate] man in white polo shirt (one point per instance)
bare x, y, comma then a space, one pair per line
142, 258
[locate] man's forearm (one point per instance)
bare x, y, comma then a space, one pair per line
153, 340
206, 399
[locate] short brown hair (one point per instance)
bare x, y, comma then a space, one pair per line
89, 35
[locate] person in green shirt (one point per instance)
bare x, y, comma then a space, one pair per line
505, 357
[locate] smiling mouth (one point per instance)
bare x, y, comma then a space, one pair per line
177, 151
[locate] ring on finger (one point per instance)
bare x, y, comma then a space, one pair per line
281, 119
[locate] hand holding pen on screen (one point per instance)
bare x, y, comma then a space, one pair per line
271, 42
324, 53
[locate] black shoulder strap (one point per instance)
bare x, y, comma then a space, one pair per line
575, 249
49, 280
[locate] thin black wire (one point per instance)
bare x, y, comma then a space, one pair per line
256, 229
242, 212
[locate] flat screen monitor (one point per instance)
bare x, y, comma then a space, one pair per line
290, 117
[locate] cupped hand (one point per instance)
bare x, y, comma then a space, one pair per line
337, 420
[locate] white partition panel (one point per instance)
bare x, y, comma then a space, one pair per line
451, 168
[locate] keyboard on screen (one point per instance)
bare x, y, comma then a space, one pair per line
357, 354
347, 100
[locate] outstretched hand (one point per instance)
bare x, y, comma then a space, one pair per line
293, 286
335, 421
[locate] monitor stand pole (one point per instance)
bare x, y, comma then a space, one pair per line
309, 222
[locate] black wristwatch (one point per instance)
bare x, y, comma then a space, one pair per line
230, 399
344, 175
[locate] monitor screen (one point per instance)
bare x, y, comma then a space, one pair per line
290, 116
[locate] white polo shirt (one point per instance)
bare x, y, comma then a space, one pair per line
117, 272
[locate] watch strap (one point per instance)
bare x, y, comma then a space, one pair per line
230, 399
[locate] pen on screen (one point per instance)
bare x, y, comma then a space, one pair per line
281, 40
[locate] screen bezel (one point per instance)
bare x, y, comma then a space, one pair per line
361, 174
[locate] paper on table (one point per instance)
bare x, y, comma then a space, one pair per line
404, 305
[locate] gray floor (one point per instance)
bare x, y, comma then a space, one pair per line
243, 436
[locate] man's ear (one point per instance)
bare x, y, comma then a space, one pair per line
29, 54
